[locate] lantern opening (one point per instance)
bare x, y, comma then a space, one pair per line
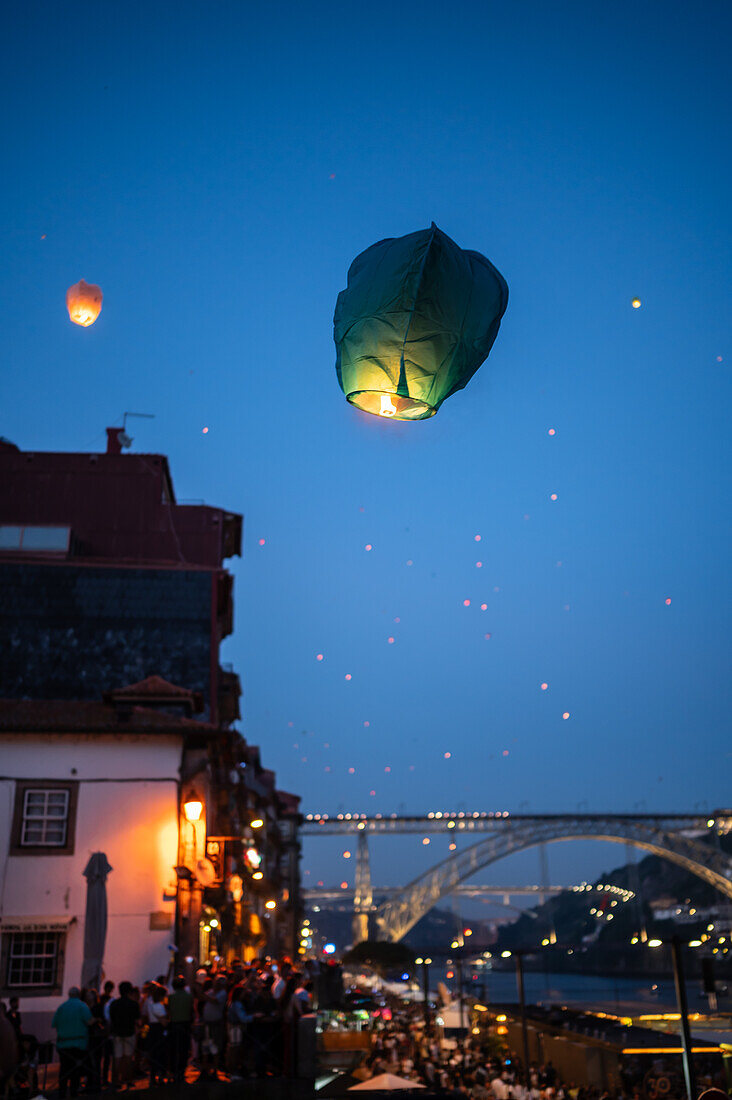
83, 315
391, 405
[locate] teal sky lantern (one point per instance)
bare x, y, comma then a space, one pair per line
416, 320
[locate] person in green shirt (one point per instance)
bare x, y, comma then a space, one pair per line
180, 1015
71, 1022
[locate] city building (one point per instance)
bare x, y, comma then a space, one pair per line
105, 579
202, 847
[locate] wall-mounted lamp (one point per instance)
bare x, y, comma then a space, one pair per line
193, 807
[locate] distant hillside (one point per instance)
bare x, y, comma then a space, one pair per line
666, 900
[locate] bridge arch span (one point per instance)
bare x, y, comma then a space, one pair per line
396, 916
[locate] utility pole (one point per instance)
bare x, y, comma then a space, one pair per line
544, 894
426, 988
363, 896
635, 885
687, 1057
425, 964
522, 1006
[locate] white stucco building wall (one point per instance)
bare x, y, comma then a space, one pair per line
127, 807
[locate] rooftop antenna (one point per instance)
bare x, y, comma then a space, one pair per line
125, 439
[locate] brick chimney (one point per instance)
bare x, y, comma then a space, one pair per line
114, 446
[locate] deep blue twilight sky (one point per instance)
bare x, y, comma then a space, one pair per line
215, 167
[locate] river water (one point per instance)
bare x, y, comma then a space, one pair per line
621, 995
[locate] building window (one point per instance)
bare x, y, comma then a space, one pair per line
35, 540
45, 817
32, 962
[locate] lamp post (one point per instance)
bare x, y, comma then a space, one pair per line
189, 894
522, 1006
687, 1057
425, 964
681, 1002
460, 987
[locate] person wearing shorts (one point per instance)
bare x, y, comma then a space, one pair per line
124, 1014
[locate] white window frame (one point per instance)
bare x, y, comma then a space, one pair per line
51, 948
45, 819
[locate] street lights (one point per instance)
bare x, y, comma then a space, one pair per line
425, 985
189, 894
682, 1005
676, 956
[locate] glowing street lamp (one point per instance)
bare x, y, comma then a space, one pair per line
193, 807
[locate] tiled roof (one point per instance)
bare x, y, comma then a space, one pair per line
153, 685
79, 716
155, 688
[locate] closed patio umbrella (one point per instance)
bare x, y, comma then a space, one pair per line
95, 919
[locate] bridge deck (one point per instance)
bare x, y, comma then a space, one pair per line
486, 821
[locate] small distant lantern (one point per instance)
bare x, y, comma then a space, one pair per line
418, 317
84, 303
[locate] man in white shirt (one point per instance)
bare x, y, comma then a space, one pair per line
499, 1088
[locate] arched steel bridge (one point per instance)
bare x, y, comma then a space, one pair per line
688, 840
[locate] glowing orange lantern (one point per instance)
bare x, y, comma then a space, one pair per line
84, 303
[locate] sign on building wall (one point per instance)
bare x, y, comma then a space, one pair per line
161, 921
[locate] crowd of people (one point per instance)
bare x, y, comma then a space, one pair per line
242, 1021
235, 1022
458, 1069
403, 1047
